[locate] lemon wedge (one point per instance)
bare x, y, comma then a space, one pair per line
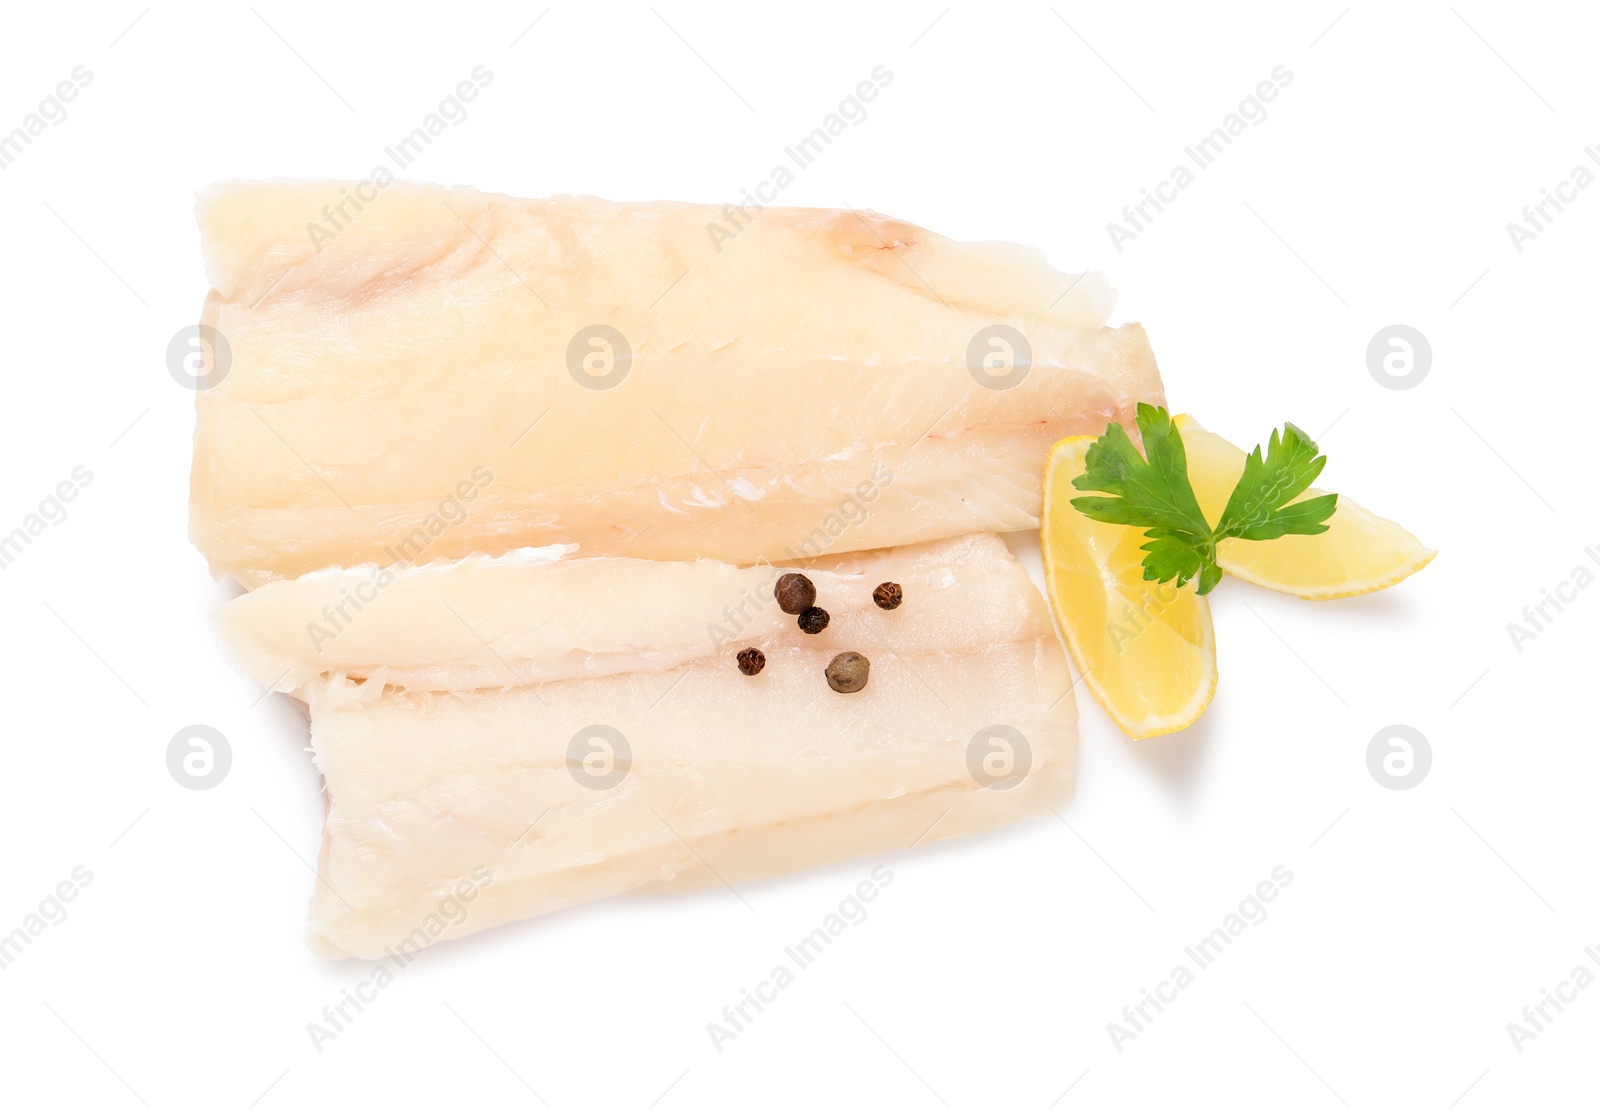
1358, 553
1145, 649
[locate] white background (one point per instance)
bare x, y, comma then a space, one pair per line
1377, 191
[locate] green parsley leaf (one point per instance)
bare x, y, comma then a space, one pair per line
1170, 556
1153, 492
1150, 492
1256, 508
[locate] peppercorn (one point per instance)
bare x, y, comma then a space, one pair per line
888, 595
751, 661
813, 620
795, 593
847, 672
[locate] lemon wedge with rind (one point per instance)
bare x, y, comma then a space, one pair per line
1145, 649
1359, 553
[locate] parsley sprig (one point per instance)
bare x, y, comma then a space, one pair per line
1153, 492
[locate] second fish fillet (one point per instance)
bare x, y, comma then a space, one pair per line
433, 373
567, 729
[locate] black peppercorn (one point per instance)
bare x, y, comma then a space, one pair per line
751, 661
888, 595
795, 593
813, 620
848, 671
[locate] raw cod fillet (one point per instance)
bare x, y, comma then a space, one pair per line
401, 385
446, 736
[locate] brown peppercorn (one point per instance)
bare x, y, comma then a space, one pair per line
847, 673
813, 620
888, 595
751, 661
795, 593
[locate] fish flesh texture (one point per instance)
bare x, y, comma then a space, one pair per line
538, 731
533, 616
433, 373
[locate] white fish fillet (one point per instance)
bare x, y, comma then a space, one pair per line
432, 786
399, 386
532, 616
